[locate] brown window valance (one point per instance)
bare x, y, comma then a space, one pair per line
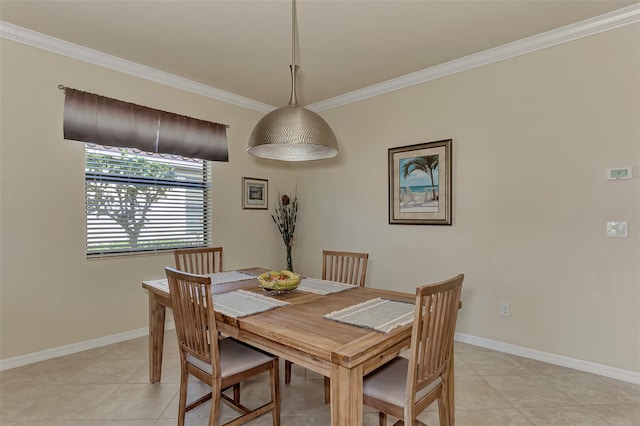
105, 121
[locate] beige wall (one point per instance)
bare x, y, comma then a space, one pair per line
51, 295
532, 139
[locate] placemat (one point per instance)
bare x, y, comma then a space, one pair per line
216, 278
314, 285
163, 283
229, 277
242, 303
376, 314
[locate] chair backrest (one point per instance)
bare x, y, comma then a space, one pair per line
434, 325
206, 260
345, 267
194, 316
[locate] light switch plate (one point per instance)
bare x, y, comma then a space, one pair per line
617, 173
617, 230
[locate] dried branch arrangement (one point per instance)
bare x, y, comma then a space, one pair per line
284, 216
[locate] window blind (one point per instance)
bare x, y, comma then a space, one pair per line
140, 202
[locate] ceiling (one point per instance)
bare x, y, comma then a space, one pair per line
244, 46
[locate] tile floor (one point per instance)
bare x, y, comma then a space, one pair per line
108, 386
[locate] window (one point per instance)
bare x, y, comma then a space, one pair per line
140, 202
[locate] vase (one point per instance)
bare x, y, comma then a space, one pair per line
289, 261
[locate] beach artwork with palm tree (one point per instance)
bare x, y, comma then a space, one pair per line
419, 188
420, 184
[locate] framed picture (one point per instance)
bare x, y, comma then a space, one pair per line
255, 193
420, 190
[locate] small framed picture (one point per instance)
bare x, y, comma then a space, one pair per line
420, 189
255, 193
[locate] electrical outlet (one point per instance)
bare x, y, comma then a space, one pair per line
619, 173
617, 230
505, 309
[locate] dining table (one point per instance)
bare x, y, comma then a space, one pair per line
299, 332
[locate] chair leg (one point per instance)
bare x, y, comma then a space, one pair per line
182, 405
215, 408
382, 418
236, 393
443, 409
287, 372
327, 390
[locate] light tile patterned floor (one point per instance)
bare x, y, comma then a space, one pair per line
108, 386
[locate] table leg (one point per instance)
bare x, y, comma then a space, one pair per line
346, 395
156, 337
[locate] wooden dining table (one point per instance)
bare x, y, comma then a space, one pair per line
298, 332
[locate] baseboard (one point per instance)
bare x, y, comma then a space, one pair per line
34, 357
564, 361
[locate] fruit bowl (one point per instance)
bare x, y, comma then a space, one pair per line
278, 282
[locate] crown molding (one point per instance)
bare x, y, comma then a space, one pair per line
598, 24
41, 41
608, 21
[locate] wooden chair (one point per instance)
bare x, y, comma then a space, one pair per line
341, 266
207, 260
404, 388
219, 363
345, 267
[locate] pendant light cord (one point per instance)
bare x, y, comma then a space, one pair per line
293, 100
293, 33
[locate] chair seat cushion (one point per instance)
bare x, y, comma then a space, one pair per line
235, 357
389, 383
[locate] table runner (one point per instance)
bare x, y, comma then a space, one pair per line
314, 285
242, 303
376, 314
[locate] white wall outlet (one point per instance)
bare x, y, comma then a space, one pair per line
619, 173
617, 230
505, 309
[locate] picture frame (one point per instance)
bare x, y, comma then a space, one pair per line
255, 193
420, 184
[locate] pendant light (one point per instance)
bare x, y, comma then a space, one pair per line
292, 133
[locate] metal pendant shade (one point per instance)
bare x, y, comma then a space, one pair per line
292, 133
